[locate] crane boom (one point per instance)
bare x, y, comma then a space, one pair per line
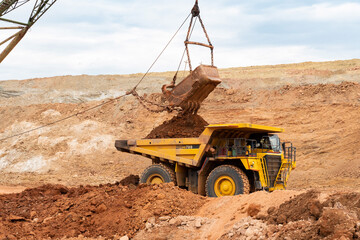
6, 6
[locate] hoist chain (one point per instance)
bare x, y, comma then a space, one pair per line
195, 13
143, 100
187, 39
208, 39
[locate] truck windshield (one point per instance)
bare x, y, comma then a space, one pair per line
275, 143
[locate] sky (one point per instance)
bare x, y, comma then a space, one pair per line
124, 37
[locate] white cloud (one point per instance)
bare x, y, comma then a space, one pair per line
268, 55
345, 12
110, 37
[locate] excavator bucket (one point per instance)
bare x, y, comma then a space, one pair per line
191, 91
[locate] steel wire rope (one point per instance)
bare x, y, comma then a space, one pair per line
161, 52
63, 119
182, 57
98, 105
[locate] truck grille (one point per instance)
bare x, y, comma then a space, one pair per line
273, 164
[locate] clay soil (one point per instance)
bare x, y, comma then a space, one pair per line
111, 210
307, 216
167, 212
73, 173
180, 126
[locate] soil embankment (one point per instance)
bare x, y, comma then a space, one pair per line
165, 211
109, 210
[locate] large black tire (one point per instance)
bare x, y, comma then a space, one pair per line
226, 180
158, 173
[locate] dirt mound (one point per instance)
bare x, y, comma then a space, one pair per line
181, 126
302, 207
110, 210
307, 216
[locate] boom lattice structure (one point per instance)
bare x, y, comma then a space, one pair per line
7, 6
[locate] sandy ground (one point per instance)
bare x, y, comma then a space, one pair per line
320, 118
11, 189
317, 104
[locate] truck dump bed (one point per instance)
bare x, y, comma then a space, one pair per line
187, 151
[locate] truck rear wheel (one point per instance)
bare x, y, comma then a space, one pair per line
157, 173
227, 180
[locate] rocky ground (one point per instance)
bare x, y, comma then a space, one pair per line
164, 211
317, 104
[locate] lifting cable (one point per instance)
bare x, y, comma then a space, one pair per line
141, 99
182, 57
195, 15
163, 108
133, 92
161, 52
63, 119
195, 12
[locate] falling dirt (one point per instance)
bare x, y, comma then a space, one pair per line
180, 126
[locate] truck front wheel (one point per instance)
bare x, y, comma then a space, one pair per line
157, 173
227, 180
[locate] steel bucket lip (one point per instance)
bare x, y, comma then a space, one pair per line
186, 90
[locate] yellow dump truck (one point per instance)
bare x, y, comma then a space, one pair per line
225, 160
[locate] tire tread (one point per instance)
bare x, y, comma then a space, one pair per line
243, 176
166, 168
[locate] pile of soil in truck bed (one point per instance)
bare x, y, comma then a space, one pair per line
180, 126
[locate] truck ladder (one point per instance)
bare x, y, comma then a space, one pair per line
283, 174
265, 171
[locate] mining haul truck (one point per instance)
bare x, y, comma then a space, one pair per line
225, 160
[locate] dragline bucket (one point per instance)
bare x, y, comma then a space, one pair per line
192, 91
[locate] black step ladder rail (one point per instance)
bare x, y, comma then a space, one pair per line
283, 174
265, 172
290, 158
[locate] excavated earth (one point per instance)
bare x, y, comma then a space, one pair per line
166, 212
111, 210
180, 126
63, 181
312, 216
